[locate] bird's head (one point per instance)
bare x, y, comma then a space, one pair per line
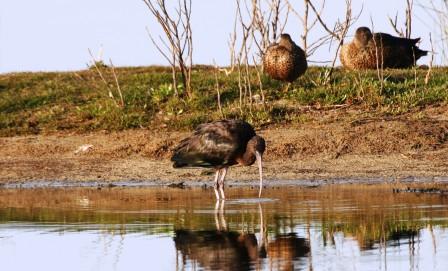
362, 36
286, 41
285, 37
258, 144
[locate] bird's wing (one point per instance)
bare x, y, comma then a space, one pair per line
389, 40
205, 148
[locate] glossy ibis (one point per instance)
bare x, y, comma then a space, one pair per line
219, 145
285, 61
220, 249
379, 50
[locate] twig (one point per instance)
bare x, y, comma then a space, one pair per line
217, 89
428, 74
394, 24
322, 23
178, 33
339, 31
379, 62
231, 44
409, 8
111, 95
437, 11
307, 27
259, 81
408, 21
116, 82
240, 85
171, 61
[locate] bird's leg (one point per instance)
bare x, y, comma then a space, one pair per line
221, 182
220, 219
216, 186
223, 217
217, 222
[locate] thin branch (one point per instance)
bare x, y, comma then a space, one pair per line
178, 38
158, 47
409, 8
428, 74
394, 24
379, 62
218, 93
259, 80
116, 82
323, 24
111, 95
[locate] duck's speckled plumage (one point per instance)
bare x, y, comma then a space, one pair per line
372, 50
285, 61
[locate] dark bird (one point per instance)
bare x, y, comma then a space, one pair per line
285, 61
220, 249
217, 250
219, 145
379, 50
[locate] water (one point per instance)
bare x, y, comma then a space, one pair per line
344, 227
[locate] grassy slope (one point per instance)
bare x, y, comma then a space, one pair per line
79, 102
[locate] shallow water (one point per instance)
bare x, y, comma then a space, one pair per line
339, 227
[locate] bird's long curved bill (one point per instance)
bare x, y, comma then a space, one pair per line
260, 170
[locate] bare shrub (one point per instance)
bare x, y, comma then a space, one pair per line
98, 65
437, 12
408, 21
338, 31
308, 23
257, 24
177, 46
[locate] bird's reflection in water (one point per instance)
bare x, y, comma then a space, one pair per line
285, 250
223, 249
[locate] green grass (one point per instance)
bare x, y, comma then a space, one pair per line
79, 101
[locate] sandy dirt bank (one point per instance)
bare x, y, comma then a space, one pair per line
388, 149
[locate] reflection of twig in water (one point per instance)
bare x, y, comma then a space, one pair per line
119, 249
433, 238
411, 252
308, 236
383, 244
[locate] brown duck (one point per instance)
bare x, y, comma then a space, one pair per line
285, 61
372, 50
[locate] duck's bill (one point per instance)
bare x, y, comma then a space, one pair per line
260, 170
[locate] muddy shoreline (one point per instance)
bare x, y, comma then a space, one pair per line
365, 150
207, 184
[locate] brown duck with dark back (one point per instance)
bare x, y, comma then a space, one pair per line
379, 50
285, 61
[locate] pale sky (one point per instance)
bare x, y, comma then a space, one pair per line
54, 35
